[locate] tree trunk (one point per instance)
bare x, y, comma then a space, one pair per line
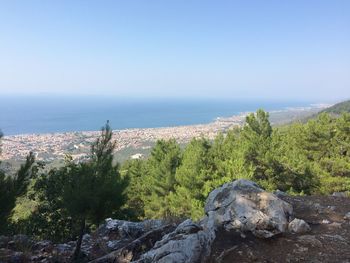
79, 241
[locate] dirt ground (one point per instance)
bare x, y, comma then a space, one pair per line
328, 240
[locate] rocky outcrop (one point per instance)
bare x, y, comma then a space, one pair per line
110, 236
240, 218
119, 229
188, 243
242, 205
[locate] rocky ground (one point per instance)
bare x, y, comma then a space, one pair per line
243, 223
327, 241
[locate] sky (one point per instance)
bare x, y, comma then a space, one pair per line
176, 48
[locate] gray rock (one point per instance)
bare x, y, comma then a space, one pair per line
189, 243
319, 208
347, 216
298, 226
331, 208
119, 229
43, 246
64, 248
242, 205
87, 245
340, 194
114, 244
10, 256
280, 193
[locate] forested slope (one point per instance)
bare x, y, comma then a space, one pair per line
339, 108
174, 182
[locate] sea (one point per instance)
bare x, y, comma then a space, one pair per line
56, 114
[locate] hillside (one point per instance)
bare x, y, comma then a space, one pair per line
338, 108
334, 110
241, 224
174, 183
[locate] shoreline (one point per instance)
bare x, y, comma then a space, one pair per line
219, 118
52, 146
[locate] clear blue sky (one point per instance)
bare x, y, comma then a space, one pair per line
293, 49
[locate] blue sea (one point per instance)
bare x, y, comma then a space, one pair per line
49, 114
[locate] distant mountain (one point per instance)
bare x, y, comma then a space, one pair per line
338, 108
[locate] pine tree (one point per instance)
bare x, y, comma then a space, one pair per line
195, 170
12, 187
160, 178
134, 171
86, 192
256, 142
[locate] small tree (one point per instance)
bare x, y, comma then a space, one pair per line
94, 189
12, 187
83, 193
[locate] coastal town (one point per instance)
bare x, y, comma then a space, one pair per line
53, 146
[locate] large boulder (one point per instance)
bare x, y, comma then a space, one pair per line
189, 243
242, 205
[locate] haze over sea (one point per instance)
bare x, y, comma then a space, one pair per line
49, 114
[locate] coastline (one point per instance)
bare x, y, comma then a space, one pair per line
53, 146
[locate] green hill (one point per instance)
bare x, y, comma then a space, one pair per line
334, 110
338, 108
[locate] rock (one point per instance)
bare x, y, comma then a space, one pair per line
242, 205
10, 256
43, 246
63, 249
319, 208
115, 234
87, 245
280, 193
325, 222
298, 226
331, 208
20, 242
114, 244
189, 243
119, 229
134, 249
340, 194
347, 216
